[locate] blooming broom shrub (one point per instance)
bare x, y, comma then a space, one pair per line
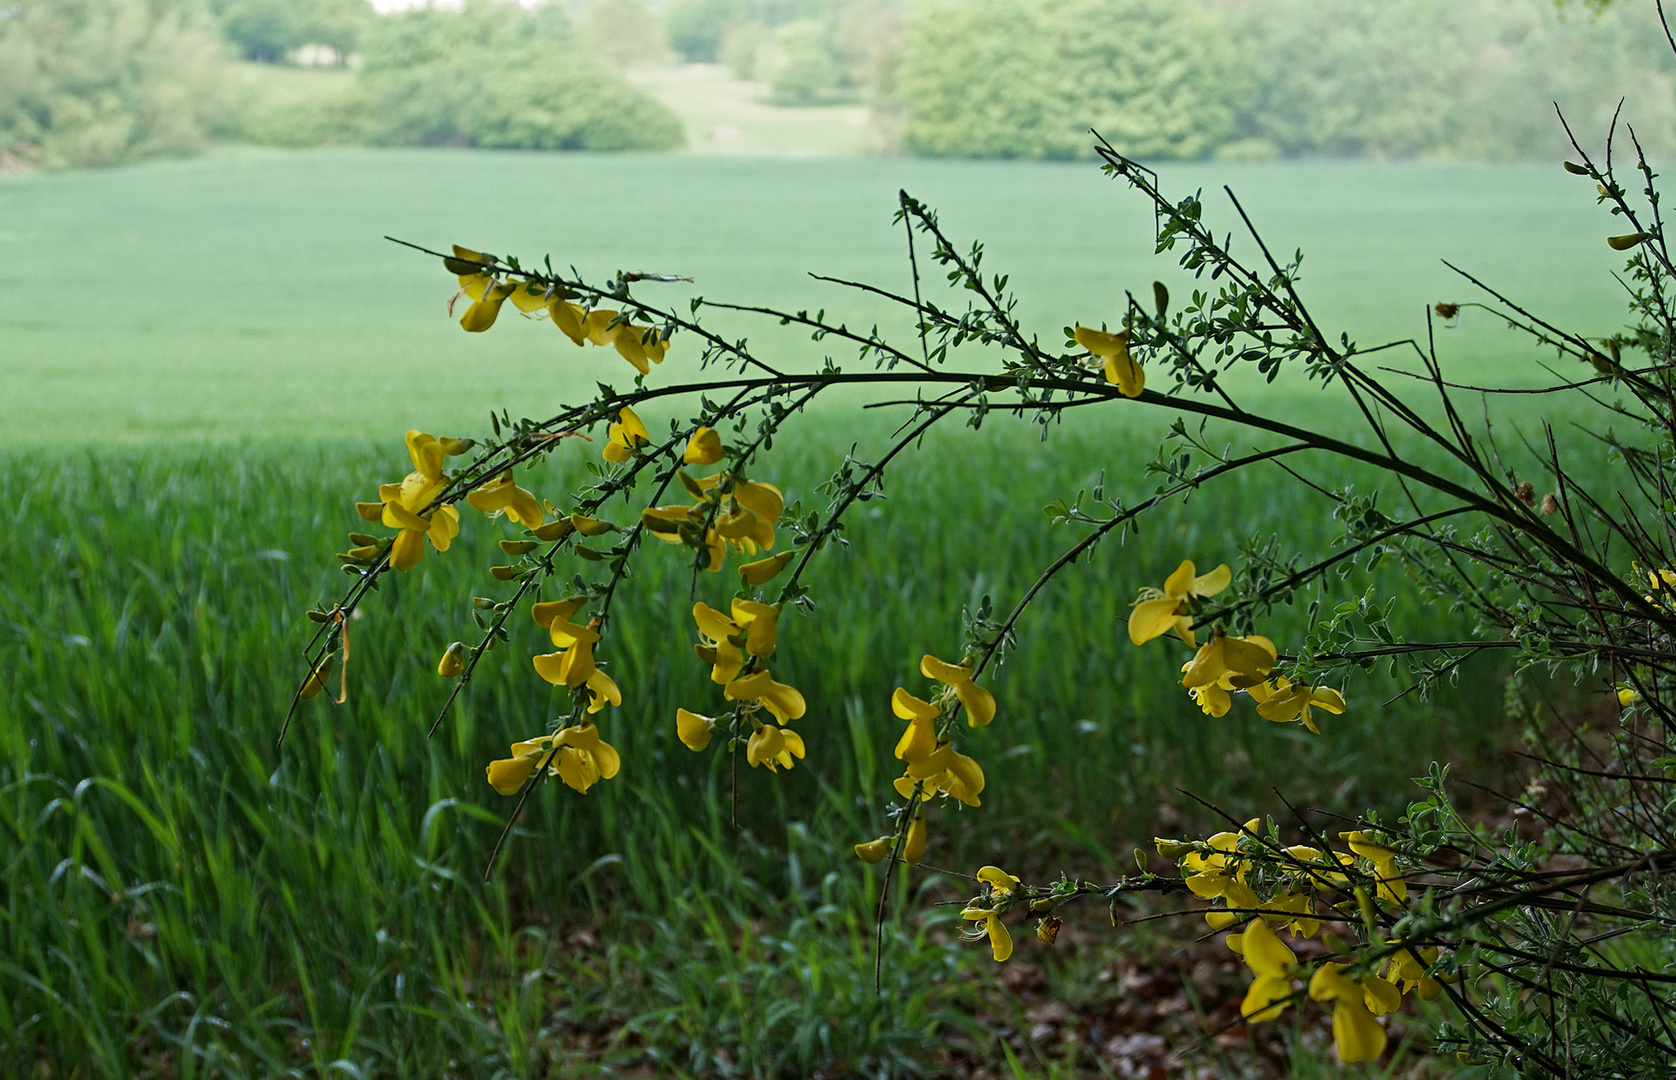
1545, 953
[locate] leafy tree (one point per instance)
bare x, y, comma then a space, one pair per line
797, 64
993, 79
267, 30
624, 32
696, 27
93, 82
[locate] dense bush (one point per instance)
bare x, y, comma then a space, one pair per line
996, 79
492, 75
92, 82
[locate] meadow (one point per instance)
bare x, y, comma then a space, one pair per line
206, 362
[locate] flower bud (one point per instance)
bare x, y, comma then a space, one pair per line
765, 570
370, 511
453, 661
502, 573
1047, 931
316, 682
1575, 169
557, 529
1627, 241
455, 447
588, 526
1172, 849
518, 547
363, 540
873, 851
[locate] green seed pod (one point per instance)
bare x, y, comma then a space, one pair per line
1627, 241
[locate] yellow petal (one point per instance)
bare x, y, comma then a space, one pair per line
568, 318
908, 707
508, 776
1207, 585
761, 625
998, 879
1266, 997
1327, 698
606, 760
694, 730
1101, 343
407, 550
1127, 375
482, 313
545, 614
1357, 1036
704, 448
943, 671
1180, 583
600, 330
604, 691
564, 634
712, 623
1000, 942
529, 296
764, 570
874, 851
918, 741
914, 850
1380, 997
1152, 618
1265, 953
763, 500
979, 703
628, 346
766, 743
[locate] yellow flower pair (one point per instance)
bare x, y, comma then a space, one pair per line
728, 644
403, 505
575, 755
1357, 1035
572, 663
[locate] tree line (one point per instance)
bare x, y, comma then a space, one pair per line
86, 82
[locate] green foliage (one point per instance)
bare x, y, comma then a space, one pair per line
267, 30
995, 79
94, 82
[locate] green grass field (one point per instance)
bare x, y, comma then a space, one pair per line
252, 294
207, 361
